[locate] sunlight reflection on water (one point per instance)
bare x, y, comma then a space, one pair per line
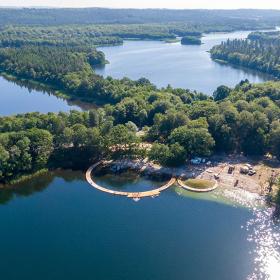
265, 233
263, 230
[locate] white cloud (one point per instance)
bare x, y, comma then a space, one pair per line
179, 4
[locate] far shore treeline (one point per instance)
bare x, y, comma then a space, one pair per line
211, 20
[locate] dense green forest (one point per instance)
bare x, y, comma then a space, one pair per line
96, 34
226, 20
180, 124
95, 27
268, 36
61, 67
261, 51
69, 35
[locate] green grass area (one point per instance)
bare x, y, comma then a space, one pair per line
199, 183
172, 40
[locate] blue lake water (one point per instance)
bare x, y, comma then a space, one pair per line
163, 63
16, 99
175, 64
59, 227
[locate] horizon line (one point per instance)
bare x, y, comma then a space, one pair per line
133, 8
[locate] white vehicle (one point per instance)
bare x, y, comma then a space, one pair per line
197, 160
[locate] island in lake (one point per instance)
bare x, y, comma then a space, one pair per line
191, 40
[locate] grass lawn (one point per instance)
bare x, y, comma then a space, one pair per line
199, 183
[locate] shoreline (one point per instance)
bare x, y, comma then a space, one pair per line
259, 183
237, 65
247, 193
218, 170
51, 89
24, 178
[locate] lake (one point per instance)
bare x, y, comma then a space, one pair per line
17, 99
163, 63
175, 64
58, 227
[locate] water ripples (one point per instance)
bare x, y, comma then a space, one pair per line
264, 232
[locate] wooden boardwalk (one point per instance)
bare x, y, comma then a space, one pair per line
151, 193
181, 184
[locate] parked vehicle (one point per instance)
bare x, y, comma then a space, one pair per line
252, 172
198, 160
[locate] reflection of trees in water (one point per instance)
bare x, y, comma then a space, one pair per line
30, 85
27, 188
37, 184
69, 175
245, 70
34, 86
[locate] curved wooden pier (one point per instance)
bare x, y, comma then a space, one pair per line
181, 184
137, 195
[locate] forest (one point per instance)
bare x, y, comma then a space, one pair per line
65, 68
260, 51
101, 27
219, 20
98, 34
178, 123
191, 40
87, 35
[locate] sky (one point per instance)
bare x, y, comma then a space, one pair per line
174, 4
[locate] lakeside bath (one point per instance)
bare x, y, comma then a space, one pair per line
57, 227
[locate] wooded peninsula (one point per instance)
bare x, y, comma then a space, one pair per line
260, 51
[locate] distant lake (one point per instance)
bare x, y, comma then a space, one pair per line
18, 99
163, 63
175, 64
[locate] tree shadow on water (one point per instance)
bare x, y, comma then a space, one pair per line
36, 184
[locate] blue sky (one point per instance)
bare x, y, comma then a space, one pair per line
175, 4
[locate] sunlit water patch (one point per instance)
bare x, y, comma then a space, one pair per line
230, 196
264, 232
